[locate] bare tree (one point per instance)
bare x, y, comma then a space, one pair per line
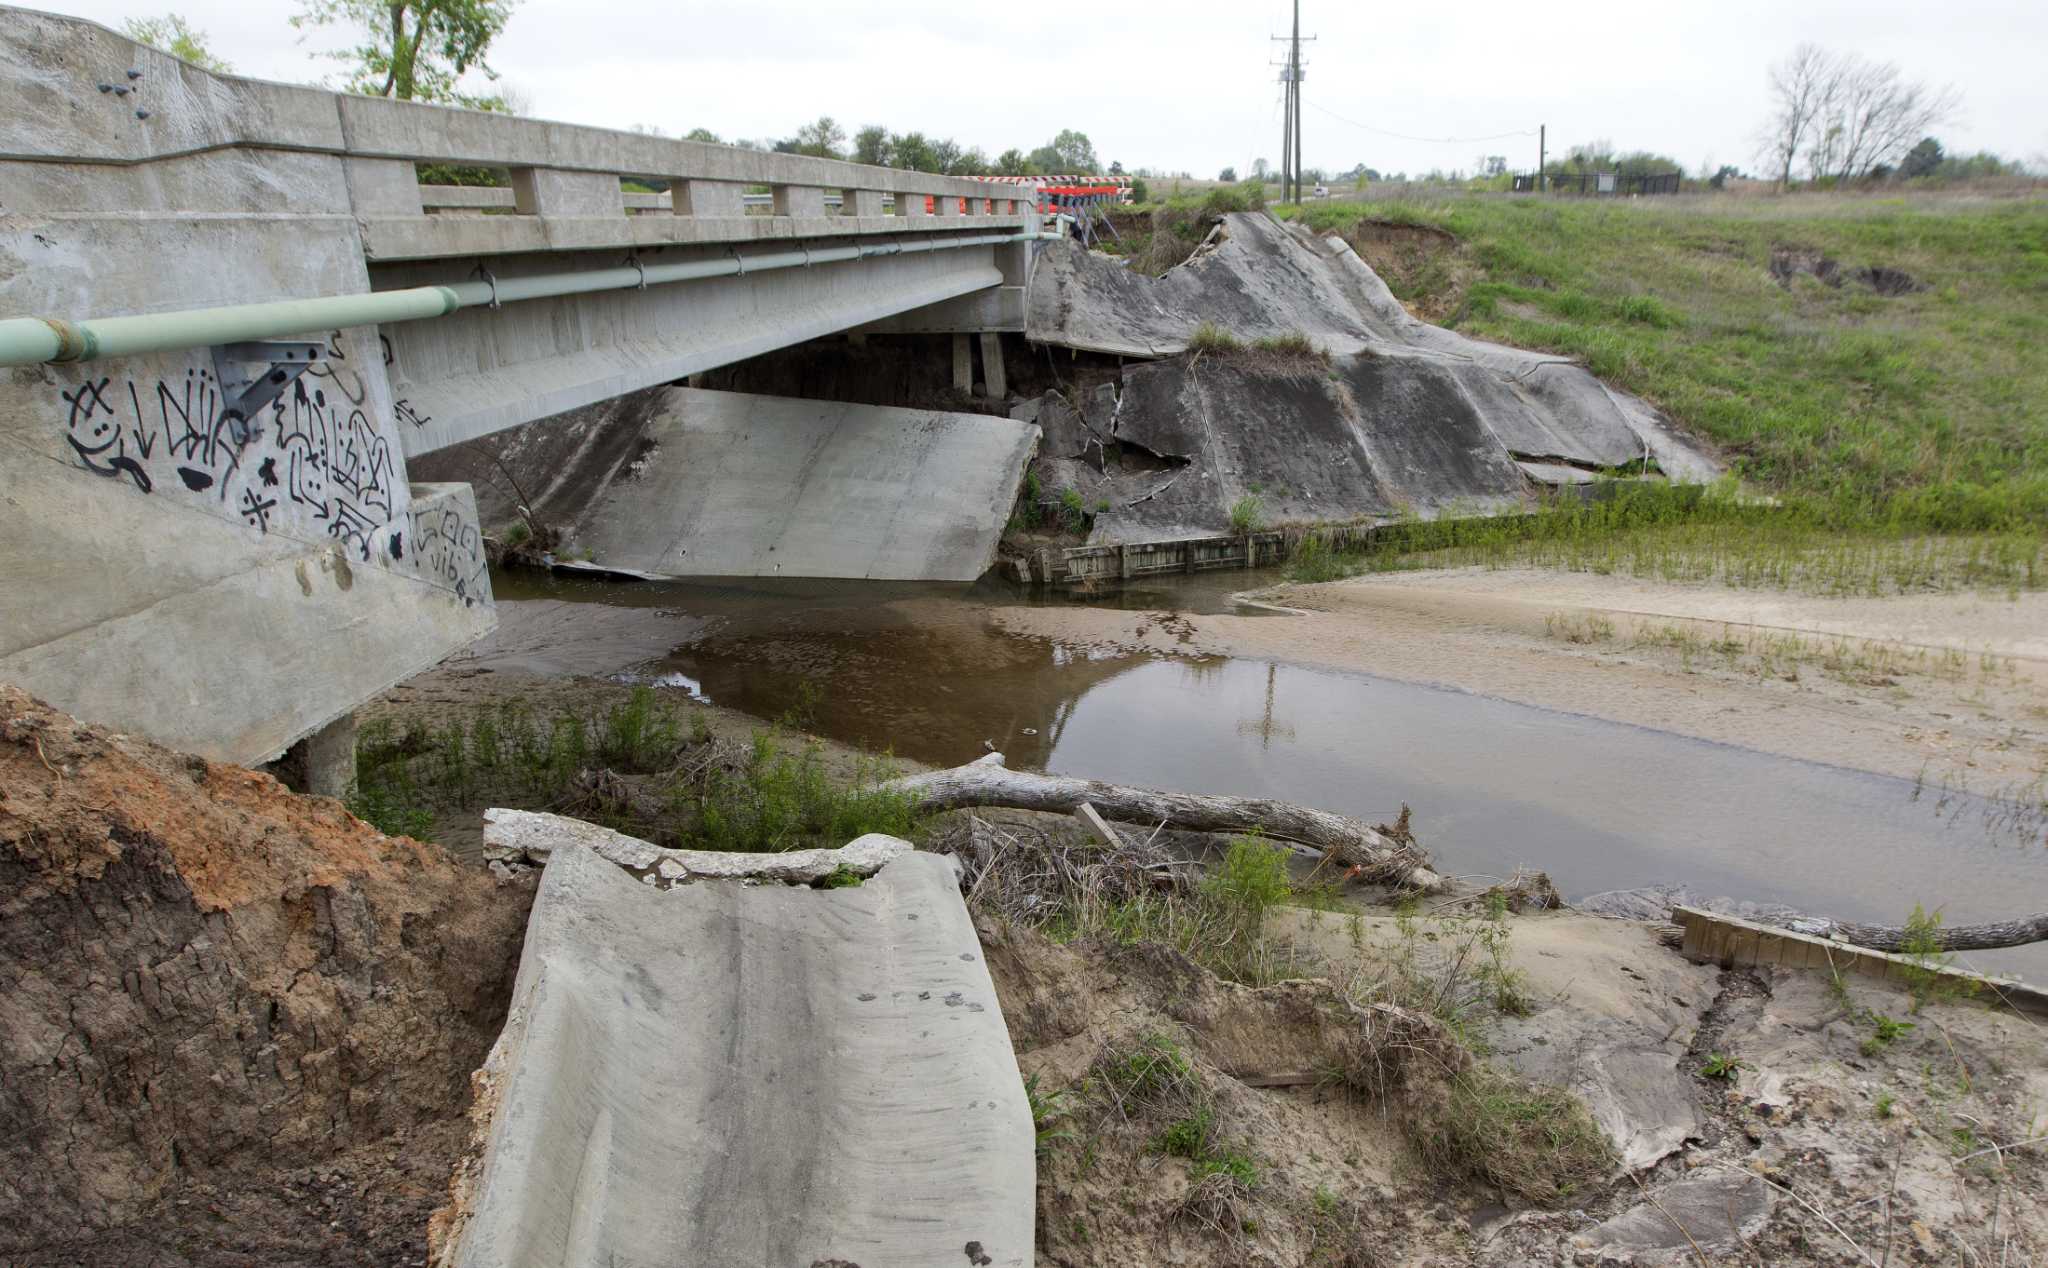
1845, 115
1799, 85
1878, 115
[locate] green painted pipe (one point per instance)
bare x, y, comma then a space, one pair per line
32, 340
35, 340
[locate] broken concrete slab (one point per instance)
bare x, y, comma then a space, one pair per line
1446, 415
1716, 1210
526, 836
729, 484
719, 1073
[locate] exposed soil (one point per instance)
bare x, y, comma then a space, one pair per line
236, 1025
1788, 263
1912, 1143
1426, 267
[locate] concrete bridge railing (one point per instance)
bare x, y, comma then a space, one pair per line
216, 544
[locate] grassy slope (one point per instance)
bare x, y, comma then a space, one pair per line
1930, 409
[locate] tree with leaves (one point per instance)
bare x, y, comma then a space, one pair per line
914, 153
820, 139
1228, 176
172, 34
414, 50
1924, 159
871, 145
1011, 162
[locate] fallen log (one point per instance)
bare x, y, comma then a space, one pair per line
1369, 855
1902, 940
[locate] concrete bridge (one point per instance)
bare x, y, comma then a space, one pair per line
230, 310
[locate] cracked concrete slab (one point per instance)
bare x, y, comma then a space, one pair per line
1405, 417
725, 1072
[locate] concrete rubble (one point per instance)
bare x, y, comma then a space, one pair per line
726, 1069
1393, 416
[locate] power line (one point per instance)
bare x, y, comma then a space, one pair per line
1427, 140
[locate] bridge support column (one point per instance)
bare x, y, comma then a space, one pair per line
963, 365
992, 366
324, 763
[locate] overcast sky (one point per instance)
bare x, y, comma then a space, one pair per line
1187, 85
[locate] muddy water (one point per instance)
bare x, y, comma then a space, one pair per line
931, 674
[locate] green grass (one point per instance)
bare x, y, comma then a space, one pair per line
636, 766
1929, 409
1691, 534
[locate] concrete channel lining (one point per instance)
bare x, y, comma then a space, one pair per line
706, 1072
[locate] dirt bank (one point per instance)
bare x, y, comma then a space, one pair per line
1952, 687
236, 1025
1754, 1118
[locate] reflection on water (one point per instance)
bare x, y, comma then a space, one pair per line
1495, 785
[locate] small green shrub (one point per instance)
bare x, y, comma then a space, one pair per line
1251, 879
1720, 1067
1247, 515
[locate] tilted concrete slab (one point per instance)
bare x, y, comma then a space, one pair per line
735, 485
721, 1072
1261, 279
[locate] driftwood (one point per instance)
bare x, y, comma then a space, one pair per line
1368, 854
1895, 939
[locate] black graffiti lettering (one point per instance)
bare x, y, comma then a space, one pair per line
405, 413
257, 510
319, 461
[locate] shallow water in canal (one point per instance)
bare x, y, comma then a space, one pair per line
931, 674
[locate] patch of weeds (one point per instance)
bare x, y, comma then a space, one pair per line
1211, 338
1047, 1111
1150, 1073
1883, 1107
1189, 1137
780, 800
1238, 1166
841, 878
1535, 1143
1885, 1031
393, 809
1724, 1068
1924, 970
1315, 559
1580, 628
1073, 511
638, 734
1247, 515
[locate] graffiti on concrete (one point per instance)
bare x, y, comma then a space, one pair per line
318, 460
447, 547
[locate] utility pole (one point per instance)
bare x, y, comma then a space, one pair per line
1290, 130
1294, 88
1542, 130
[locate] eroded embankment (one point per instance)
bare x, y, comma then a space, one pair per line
236, 1025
